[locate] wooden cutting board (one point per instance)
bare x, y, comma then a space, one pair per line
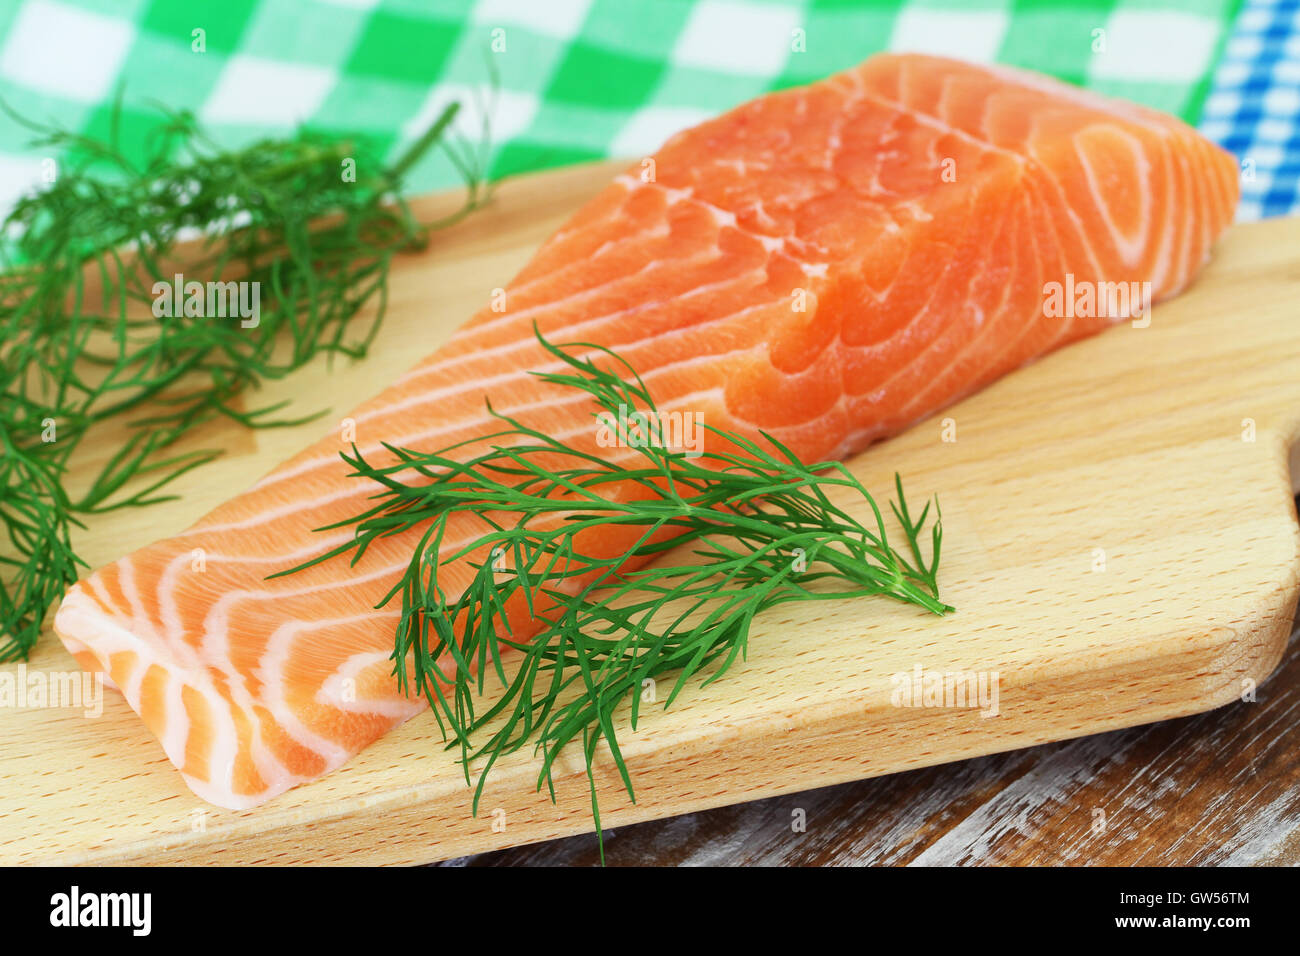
1120, 543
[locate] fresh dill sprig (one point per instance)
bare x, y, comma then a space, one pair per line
762, 526
314, 221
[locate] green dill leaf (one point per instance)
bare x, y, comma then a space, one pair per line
81, 346
606, 626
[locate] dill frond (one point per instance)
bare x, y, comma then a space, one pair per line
80, 345
759, 528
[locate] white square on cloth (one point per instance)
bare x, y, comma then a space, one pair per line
255, 91
511, 112
554, 18
1155, 45
737, 38
67, 52
966, 34
649, 128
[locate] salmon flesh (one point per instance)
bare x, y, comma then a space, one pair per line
828, 264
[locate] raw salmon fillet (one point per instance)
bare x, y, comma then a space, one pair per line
829, 264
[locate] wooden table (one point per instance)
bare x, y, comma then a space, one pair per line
1217, 788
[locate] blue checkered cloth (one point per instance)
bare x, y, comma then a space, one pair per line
1253, 109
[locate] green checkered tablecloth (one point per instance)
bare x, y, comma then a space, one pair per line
577, 79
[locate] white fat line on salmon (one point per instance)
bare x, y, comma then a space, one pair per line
633, 428
1087, 99
112, 641
23, 688
922, 687
325, 541
78, 605
212, 645
939, 316
1175, 244
270, 669
705, 257
739, 165
1102, 300
214, 625
140, 618
491, 356
725, 218
175, 738
340, 689
442, 396
359, 492
1022, 329
210, 300
131, 910
657, 233
1029, 162
294, 508
1130, 249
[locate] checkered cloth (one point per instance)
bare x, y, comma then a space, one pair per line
577, 79
1254, 109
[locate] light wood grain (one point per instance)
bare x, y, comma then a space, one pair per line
1219, 788
1130, 442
